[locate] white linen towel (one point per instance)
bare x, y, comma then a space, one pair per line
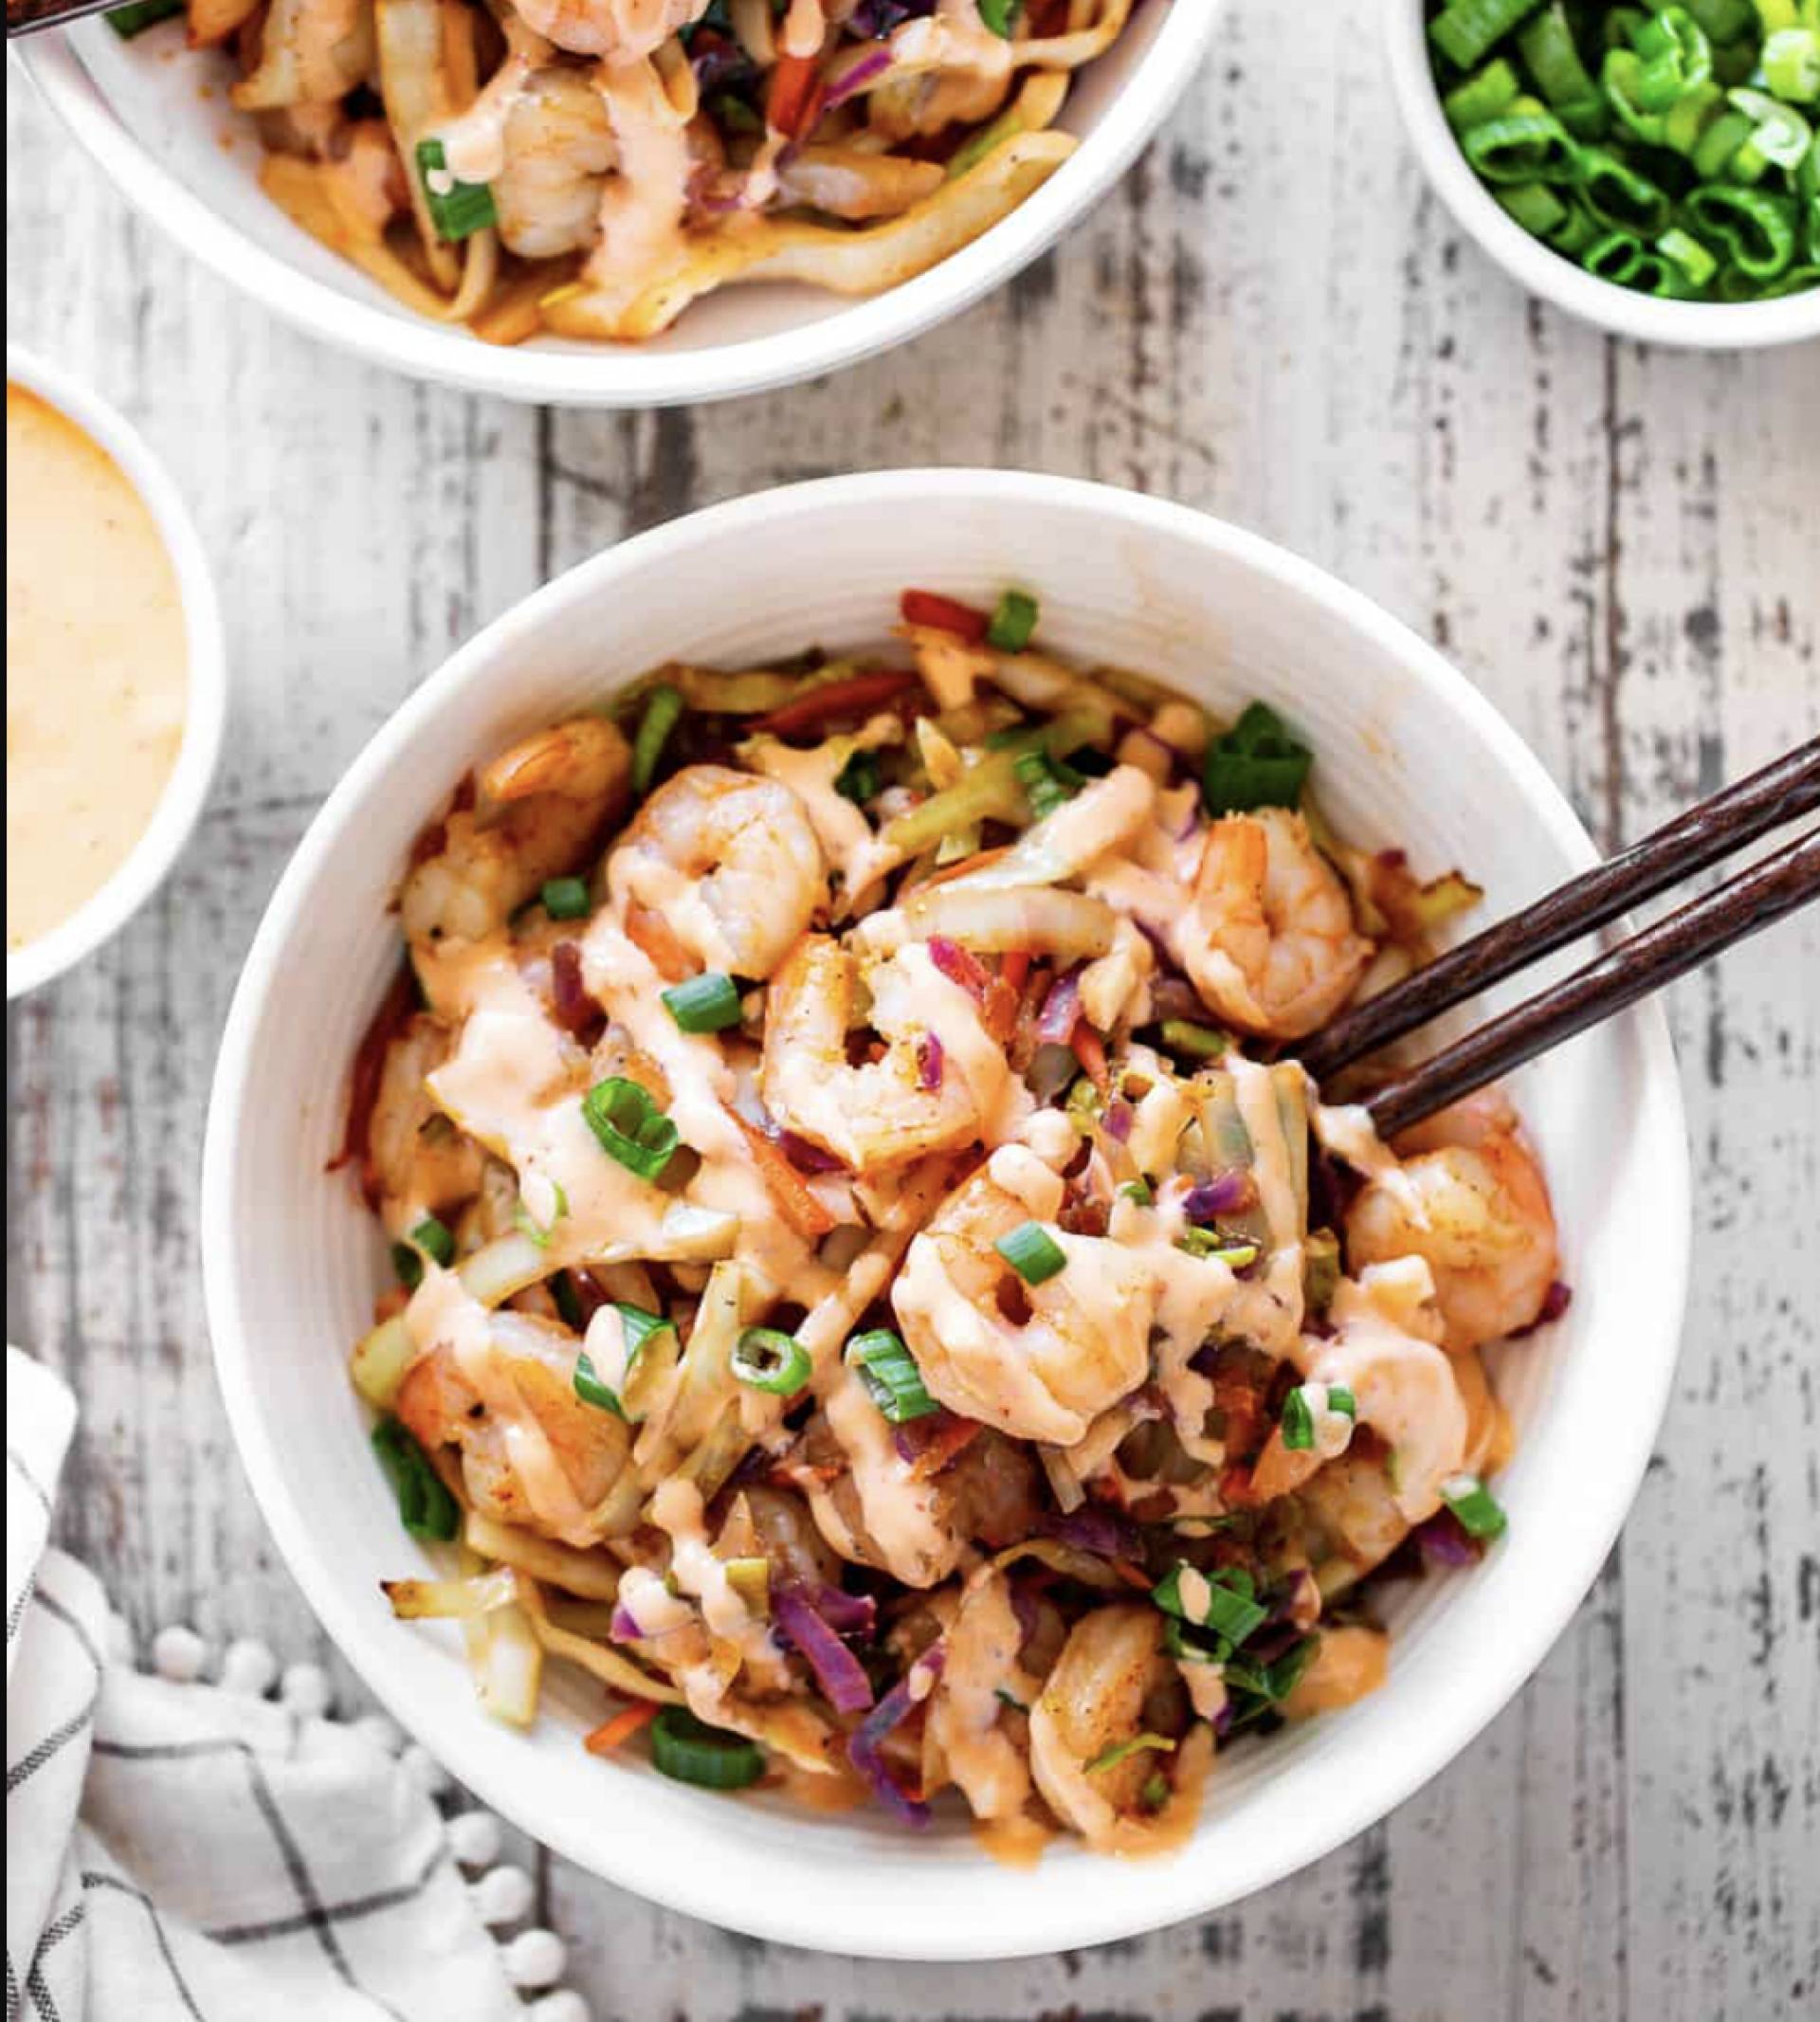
205, 1853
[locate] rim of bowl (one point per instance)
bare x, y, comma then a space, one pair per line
1172, 1891
174, 819
618, 376
1694, 325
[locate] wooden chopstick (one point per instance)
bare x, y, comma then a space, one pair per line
26, 17
1788, 879
1726, 821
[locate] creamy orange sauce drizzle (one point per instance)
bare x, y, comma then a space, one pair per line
96, 667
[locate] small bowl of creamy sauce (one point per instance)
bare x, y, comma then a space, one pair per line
115, 676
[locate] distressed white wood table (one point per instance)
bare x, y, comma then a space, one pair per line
1272, 319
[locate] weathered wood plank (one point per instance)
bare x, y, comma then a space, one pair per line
1272, 319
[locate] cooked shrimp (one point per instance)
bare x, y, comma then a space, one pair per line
1351, 1511
424, 1164
903, 1105
967, 1740
558, 149
729, 864
1348, 1663
1475, 1207
310, 52
1269, 939
532, 1452
541, 805
1102, 1693
622, 29
1079, 1340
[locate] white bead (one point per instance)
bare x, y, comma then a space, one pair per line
502, 1895
534, 1958
565, 2005
304, 1688
178, 1653
424, 1770
475, 1838
380, 1731
248, 1666
121, 1647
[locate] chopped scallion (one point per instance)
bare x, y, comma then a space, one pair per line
1032, 1253
630, 1125
768, 1360
424, 1506
889, 1371
1123, 1750
706, 1003
434, 1239
859, 779
1255, 764
566, 897
1341, 1401
1015, 620
1297, 1423
590, 1390
1479, 1512
663, 708
127, 22
689, 1751
457, 209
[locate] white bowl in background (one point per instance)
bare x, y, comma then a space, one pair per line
136, 108
1407, 753
205, 705
1700, 325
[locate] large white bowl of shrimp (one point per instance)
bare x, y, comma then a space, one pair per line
619, 202
779, 1283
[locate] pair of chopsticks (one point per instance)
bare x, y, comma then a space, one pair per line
1789, 877
26, 17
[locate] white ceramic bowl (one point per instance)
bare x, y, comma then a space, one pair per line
1407, 753
136, 109
173, 818
1701, 325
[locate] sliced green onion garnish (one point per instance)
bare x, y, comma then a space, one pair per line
457, 209
1267, 1683
424, 1506
562, 1289
433, 1238
1689, 255
1792, 64
889, 1371
639, 1325
1341, 1401
1297, 1423
409, 1264
1779, 136
1483, 97
859, 779
768, 1360
528, 1225
1211, 1243
1123, 1750
1032, 1253
1479, 1512
1009, 1700
690, 1751
1755, 229
1001, 17
630, 1125
566, 897
1155, 1794
1014, 621
1195, 1042
706, 1003
1138, 1191
1466, 31
663, 708
1047, 783
1256, 764
1525, 144
590, 1390
127, 22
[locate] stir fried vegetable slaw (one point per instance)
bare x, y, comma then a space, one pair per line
590, 168
873, 1281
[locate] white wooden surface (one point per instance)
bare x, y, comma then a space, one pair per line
1272, 319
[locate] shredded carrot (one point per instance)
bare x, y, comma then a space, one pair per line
799, 1206
858, 692
1015, 967
926, 607
963, 866
1090, 1050
794, 102
1132, 1575
624, 1724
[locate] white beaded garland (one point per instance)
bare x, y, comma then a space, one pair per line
380, 1731
424, 1770
502, 1895
304, 1688
565, 2005
180, 1654
248, 1666
534, 1958
475, 1838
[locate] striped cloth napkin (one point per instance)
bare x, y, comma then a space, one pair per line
206, 1853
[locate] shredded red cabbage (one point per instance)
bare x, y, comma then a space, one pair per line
1555, 1301
1098, 1530
847, 1614
838, 1672
1118, 1118
873, 65
879, 17
930, 1061
805, 1157
1443, 1541
1225, 1193
624, 1626
1061, 1011
891, 1712
955, 962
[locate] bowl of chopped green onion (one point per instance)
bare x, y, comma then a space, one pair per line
1654, 169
